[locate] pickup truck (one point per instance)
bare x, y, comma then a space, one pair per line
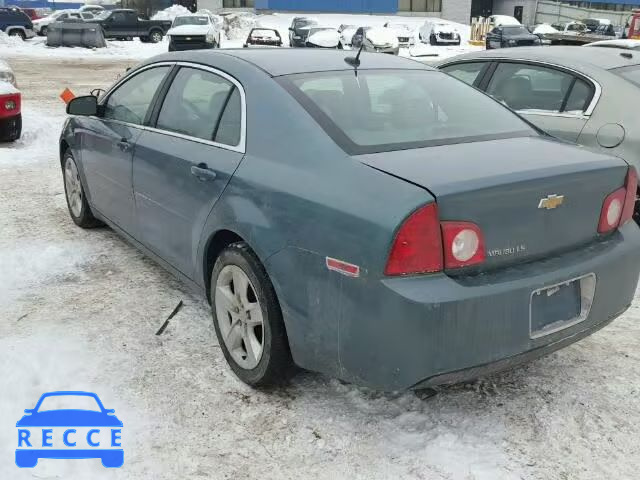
125, 23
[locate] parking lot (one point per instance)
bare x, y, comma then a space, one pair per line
80, 309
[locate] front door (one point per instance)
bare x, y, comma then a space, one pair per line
182, 165
107, 145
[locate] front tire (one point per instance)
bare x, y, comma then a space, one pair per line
79, 209
433, 40
247, 318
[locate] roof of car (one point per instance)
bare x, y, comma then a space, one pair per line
287, 61
569, 56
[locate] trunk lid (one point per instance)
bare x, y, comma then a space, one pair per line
499, 185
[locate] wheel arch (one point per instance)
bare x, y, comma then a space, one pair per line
215, 244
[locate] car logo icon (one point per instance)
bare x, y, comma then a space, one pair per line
551, 201
69, 433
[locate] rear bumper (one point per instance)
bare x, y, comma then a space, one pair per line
428, 330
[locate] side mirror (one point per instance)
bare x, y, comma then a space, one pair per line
85, 106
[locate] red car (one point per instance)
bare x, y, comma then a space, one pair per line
10, 105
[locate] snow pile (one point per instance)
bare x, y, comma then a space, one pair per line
170, 13
544, 29
325, 38
382, 36
7, 89
238, 25
9, 41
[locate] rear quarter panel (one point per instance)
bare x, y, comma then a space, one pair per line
300, 199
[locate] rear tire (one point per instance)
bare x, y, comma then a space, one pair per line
18, 33
43, 31
248, 320
79, 209
432, 40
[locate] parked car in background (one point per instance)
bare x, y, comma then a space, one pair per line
346, 32
625, 44
299, 29
10, 105
263, 37
437, 32
593, 24
632, 27
94, 9
376, 40
16, 23
471, 244
511, 36
582, 95
607, 30
570, 28
193, 32
41, 26
125, 23
322, 37
403, 31
32, 13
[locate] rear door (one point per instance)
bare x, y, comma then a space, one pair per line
556, 100
182, 165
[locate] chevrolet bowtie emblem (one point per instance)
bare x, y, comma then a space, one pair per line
551, 201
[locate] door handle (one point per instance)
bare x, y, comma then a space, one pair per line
203, 172
124, 145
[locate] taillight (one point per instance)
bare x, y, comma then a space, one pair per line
618, 206
424, 245
463, 244
417, 247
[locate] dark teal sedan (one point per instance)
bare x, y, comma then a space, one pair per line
372, 218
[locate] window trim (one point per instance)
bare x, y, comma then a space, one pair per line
597, 92
158, 99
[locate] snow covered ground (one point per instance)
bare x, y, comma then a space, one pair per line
11, 47
79, 310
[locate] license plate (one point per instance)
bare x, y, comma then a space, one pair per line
560, 306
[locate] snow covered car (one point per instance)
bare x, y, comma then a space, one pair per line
263, 37
41, 26
437, 32
377, 39
403, 31
93, 9
625, 44
10, 105
346, 32
500, 20
193, 32
79, 427
322, 37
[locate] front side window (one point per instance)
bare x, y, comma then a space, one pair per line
466, 72
194, 106
130, 101
534, 87
385, 110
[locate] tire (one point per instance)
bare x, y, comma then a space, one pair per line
43, 31
340, 47
432, 40
270, 362
18, 33
155, 36
79, 209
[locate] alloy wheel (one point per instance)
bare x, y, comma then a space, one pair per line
73, 187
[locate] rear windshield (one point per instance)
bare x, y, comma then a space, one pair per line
385, 110
631, 73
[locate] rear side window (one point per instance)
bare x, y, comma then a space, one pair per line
385, 110
535, 87
130, 101
631, 73
203, 105
466, 72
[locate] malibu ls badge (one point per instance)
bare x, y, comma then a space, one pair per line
551, 201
